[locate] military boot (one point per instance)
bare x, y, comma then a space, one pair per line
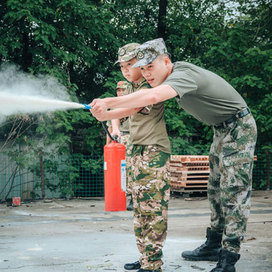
130, 205
144, 270
209, 251
132, 266
227, 260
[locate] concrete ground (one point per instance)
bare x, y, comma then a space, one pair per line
78, 236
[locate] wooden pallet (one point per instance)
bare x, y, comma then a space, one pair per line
190, 173
189, 158
193, 158
181, 169
189, 189
190, 184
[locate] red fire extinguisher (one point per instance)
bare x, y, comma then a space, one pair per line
115, 175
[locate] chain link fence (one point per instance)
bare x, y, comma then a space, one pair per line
82, 176
57, 177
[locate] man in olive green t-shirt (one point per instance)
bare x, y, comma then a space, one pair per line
210, 99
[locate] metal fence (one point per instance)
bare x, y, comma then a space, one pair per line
74, 176
262, 178
83, 176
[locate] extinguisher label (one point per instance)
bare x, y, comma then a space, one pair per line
123, 175
105, 165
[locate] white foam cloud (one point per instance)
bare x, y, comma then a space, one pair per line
25, 93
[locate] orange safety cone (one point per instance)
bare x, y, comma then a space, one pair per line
115, 177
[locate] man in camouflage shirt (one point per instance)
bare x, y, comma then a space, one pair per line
210, 99
120, 127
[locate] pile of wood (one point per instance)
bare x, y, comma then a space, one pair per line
189, 173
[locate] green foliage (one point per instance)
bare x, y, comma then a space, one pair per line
76, 41
264, 121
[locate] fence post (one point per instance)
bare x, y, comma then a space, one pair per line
268, 168
42, 174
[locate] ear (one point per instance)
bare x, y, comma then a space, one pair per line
166, 60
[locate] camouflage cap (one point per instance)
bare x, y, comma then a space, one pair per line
127, 52
149, 51
122, 85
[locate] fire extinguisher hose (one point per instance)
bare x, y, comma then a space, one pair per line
115, 138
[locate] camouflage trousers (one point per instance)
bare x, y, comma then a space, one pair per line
125, 140
230, 182
151, 193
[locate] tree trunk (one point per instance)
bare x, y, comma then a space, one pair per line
26, 54
162, 19
268, 185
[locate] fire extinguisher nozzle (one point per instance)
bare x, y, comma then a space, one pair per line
86, 107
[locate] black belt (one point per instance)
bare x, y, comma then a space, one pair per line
240, 114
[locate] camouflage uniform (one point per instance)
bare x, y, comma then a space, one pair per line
151, 193
230, 182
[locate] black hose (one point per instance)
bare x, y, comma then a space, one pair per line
113, 137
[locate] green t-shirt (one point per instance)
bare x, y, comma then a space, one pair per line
149, 129
203, 94
124, 124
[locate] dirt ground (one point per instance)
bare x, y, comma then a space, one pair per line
79, 236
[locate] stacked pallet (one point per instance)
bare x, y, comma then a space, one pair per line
189, 173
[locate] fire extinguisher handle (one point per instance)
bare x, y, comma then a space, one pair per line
115, 138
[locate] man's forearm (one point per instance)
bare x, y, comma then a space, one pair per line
141, 98
128, 101
118, 114
132, 101
115, 124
